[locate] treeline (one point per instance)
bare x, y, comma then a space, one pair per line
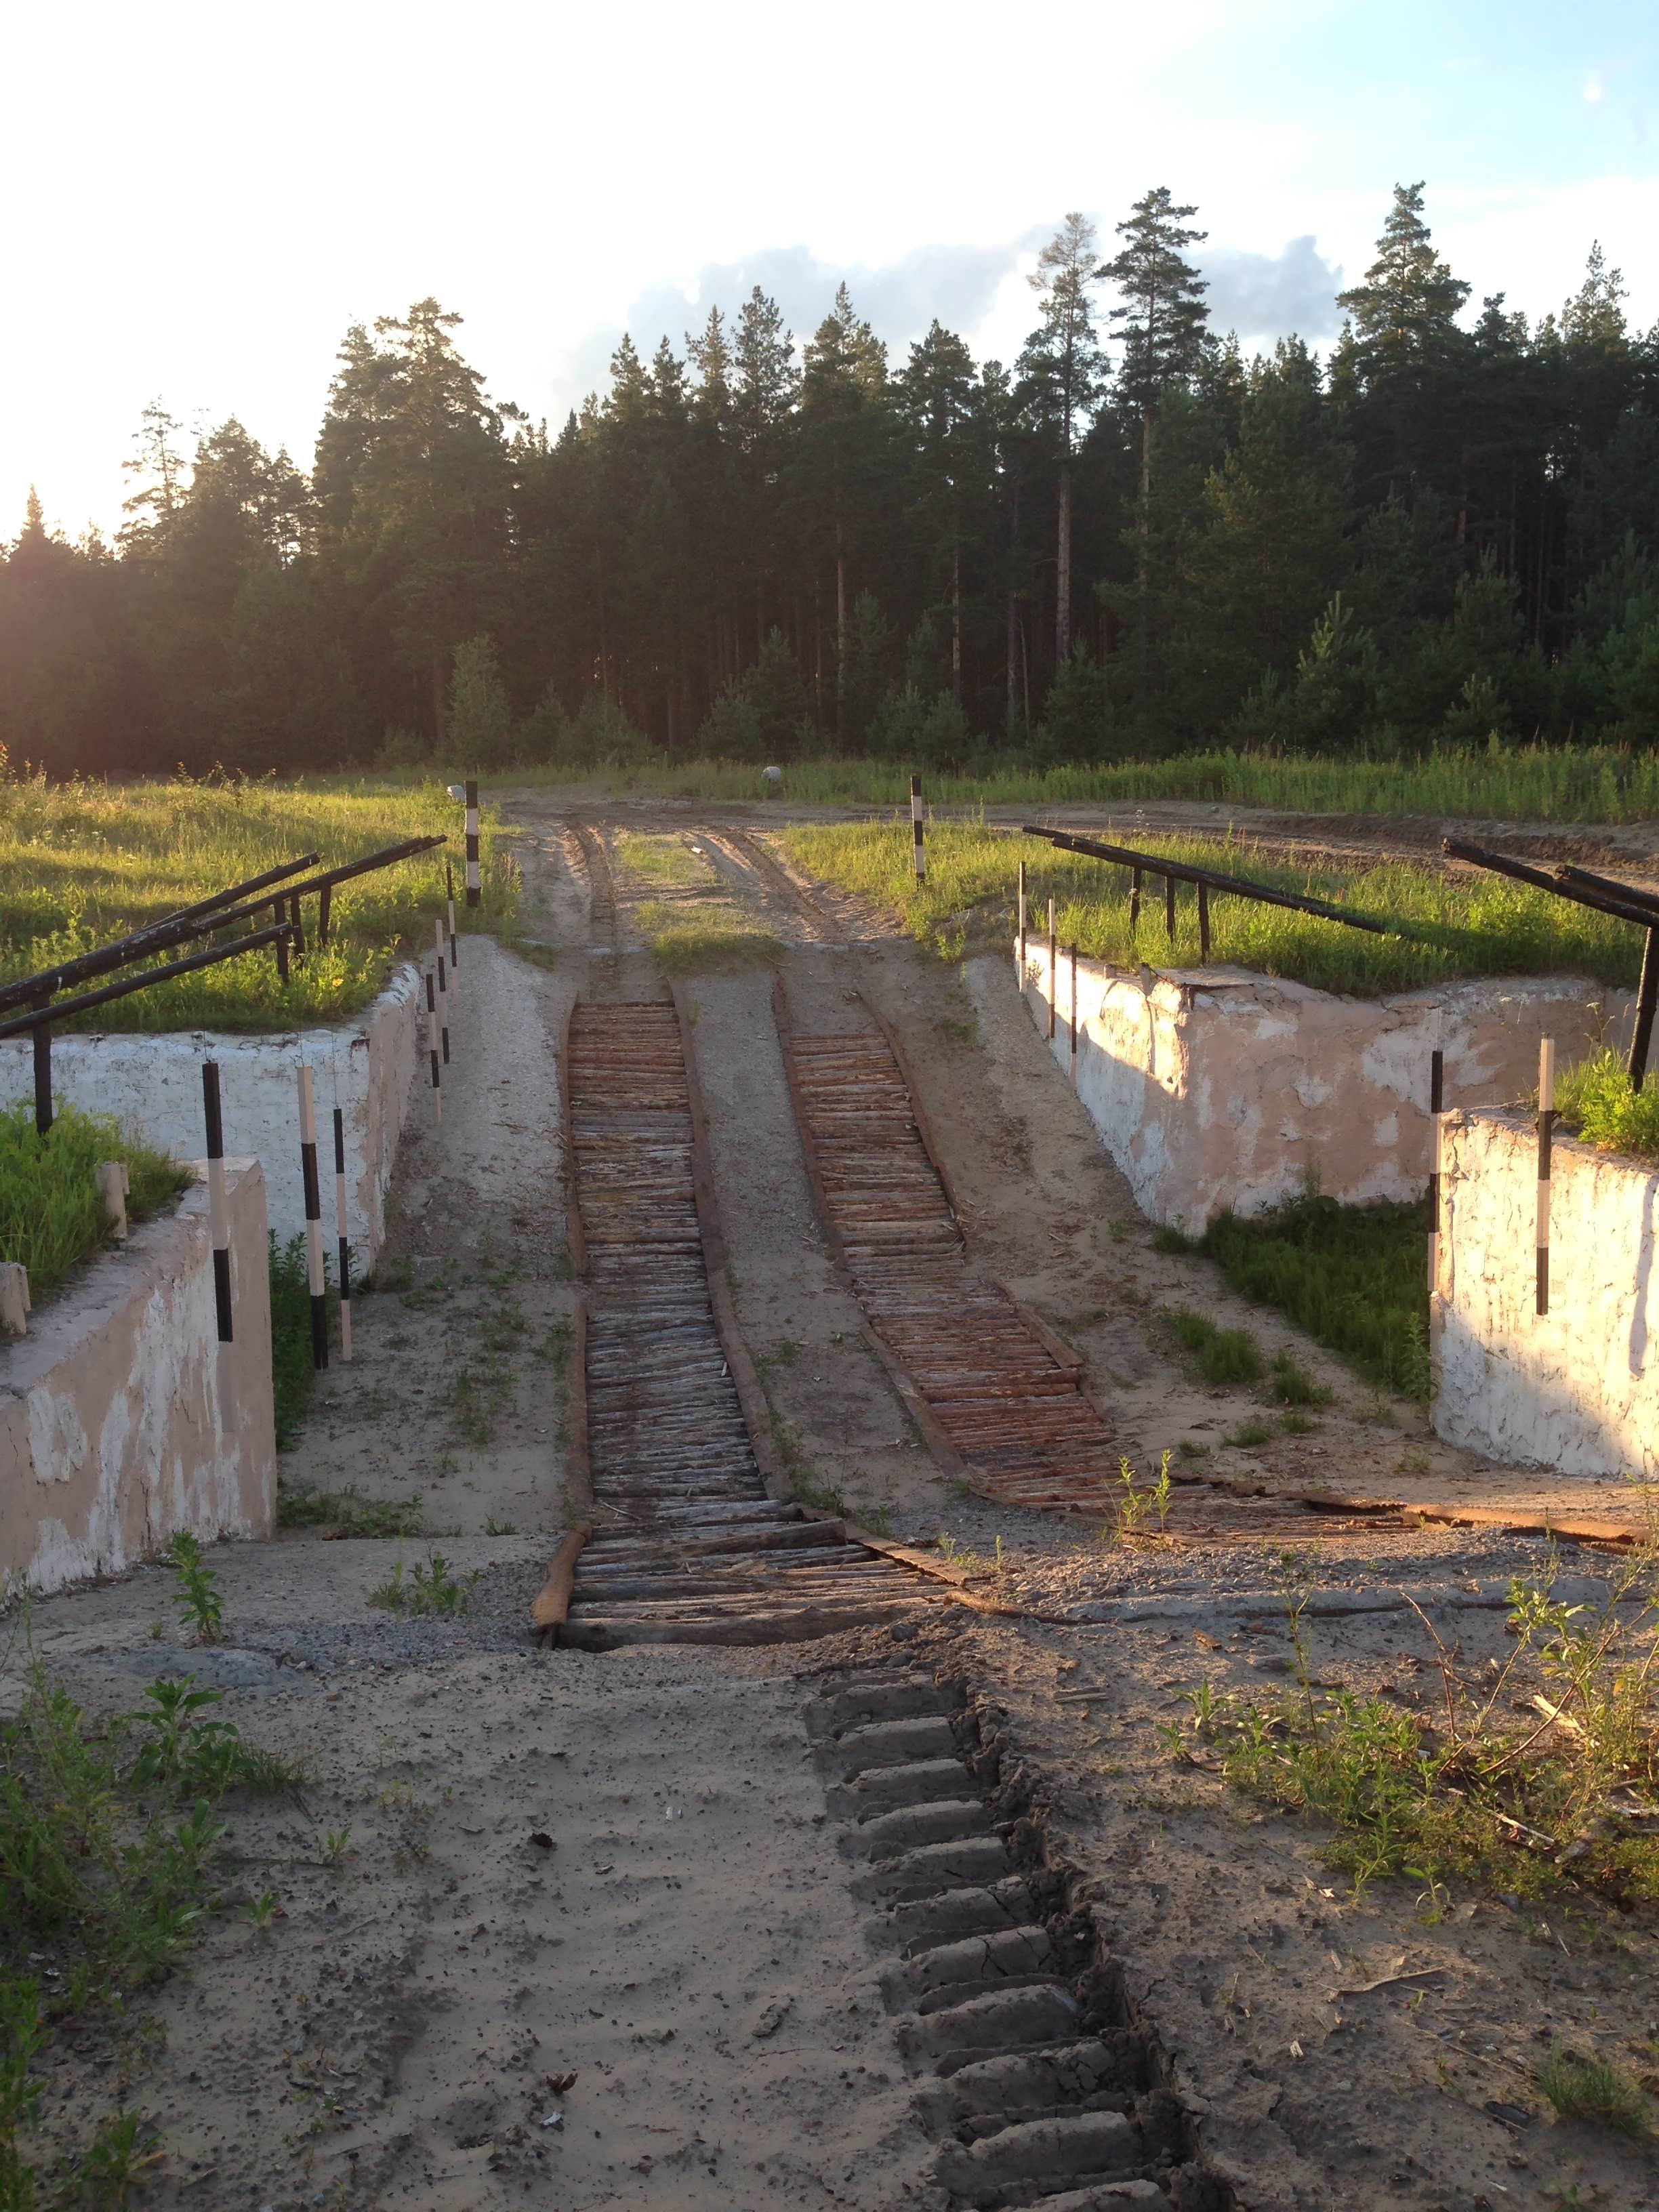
1132, 540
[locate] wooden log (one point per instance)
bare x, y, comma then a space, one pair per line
552, 1600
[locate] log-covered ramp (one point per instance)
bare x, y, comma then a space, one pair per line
1001, 1400
686, 1546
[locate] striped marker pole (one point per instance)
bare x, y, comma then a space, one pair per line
1053, 965
443, 995
916, 860
432, 1043
1071, 1041
473, 893
345, 1248
318, 1280
218, 1206
1022, 925
449, 893
1437, 1106
1546, 1132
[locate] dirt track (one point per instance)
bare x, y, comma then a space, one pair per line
390, 2039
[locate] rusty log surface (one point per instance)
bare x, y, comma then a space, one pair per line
1015, 1418
687, 1546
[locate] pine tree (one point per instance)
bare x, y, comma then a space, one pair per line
1162, 322
1063, 370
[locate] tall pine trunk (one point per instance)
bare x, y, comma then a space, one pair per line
1063, 572
1143, 560
956, 623
841, 637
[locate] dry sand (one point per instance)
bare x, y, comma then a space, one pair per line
686, 1943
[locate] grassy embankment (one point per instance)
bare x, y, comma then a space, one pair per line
1596, 1103
1530, 783
1458, 926
690, 922
81, 863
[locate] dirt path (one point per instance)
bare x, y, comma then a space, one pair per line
694, 1939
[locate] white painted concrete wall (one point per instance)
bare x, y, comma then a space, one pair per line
153, 1083
1220, 1087
123, 1419
1578, 1388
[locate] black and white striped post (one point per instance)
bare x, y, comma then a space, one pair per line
218, 1206
1053, 966
314, 1275
916, 860
449, 893
432, 1043
1071, 1040
473, 892
443, 995
1546, 1132
340, 1224
1022, 925
1436, 1107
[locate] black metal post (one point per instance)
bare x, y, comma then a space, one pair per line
218, 1205
1204, 925
42, 1035
1168, 907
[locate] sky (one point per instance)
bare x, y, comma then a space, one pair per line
201, 200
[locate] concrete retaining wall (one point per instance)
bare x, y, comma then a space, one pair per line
1576, 1388
123, 1420
152, 1083
1219, 1088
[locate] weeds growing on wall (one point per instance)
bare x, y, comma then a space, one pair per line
1596, 1101
51, 1212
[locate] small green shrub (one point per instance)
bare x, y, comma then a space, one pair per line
346, 1513
1292, 1384
1222, 1355
198, 1602
1593, 2089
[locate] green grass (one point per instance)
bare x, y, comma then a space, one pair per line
81, 863
1470, 1794
291, 1371
1595, 1101
1465, 925
1353, 1277
51, 1215
347, 1513
1527, 783
108, 1835
1221, 1355
1594, 2089
714, 934
666, 862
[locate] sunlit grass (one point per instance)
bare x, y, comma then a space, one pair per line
665, 863
1530, 783
82, 863
1458, 926
714, 934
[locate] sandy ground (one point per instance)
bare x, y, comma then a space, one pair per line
686, 1943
